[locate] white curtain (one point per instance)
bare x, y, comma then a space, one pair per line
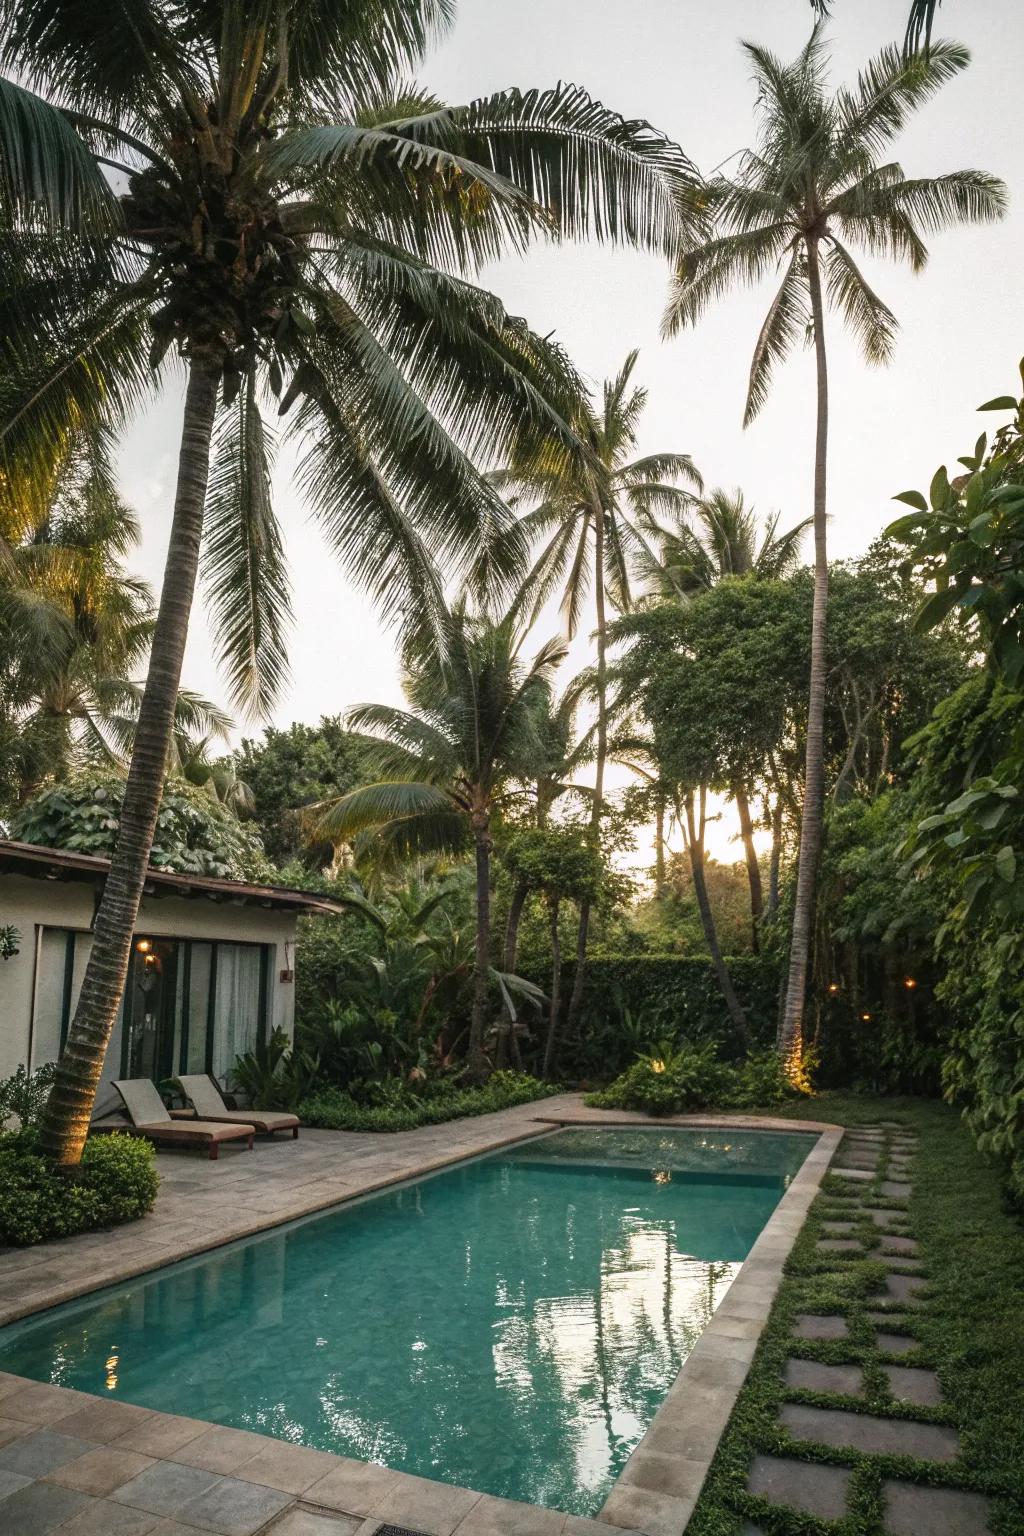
236, 1019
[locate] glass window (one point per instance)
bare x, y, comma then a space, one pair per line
198, 1006
237, 1006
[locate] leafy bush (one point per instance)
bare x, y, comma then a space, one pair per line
116, 1181
690, 1078
695, 1078
24, 1095
401, 1109
194, 834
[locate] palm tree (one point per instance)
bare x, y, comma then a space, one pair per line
720, 536
920, 21
295, 225
450, 762
817, 180
591, 513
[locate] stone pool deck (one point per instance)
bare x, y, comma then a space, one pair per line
89, 1466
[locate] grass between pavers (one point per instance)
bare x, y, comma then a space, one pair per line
968, 1327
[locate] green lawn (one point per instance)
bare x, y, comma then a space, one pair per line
970, 1331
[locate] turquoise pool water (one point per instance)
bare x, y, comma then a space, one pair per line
509, 1325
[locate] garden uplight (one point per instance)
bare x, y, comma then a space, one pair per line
909, 983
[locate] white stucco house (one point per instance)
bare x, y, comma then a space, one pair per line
212, 968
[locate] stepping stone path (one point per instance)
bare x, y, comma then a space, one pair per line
875, 1163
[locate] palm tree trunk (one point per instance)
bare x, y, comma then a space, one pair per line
775, 864
65, 1121
477, 1065
601, 757
556, 985
519, 894
695, 845
790, 1041
659, 847
739, 794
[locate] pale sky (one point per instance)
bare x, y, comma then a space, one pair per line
678, 64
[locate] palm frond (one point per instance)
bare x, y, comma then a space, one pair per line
244, 570
871, 321
45, 169
784, 323
373, 806
709, 272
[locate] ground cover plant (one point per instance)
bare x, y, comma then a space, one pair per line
967, 1327
398, 1107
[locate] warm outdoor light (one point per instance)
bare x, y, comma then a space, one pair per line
657, 1066
833, 987
143, 946
909, 983
866, 1017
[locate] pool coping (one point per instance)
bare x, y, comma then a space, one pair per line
658, 1488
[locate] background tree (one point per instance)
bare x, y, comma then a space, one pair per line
446, 764
291, 769
815, 185
721, 536
589, 514
296, 223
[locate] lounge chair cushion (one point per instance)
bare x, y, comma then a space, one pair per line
205, 1098
143, 1103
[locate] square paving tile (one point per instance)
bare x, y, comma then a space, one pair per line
809, 1376
911, 1511
165, 1488
356, 1487
11, 1429
894, 1189
911, 1384
815, 1490
865, 1432
306, 1522
39, 1508
104, 1421
43, 1451
220, 1449
41, 1404
290, 1468
894, 1343
103, 1518
162, 1434
234, 1508
904, 1287
899, 1244
506, 1517
838, 1245
808, 1325
101, 1470
864, 1175
10, 1482
434, 1508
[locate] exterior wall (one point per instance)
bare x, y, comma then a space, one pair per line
33, 981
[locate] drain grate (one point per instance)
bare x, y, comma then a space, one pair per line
396, 1530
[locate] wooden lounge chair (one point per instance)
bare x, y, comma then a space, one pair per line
150, 1118
204, 1096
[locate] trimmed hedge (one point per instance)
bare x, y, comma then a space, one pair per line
116, 1181
334, 1110
632, 1000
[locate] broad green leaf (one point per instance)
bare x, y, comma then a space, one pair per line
1000, 403
938, 491
912, 499
936, 609
1006, 863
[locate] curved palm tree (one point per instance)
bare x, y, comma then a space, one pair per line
720, 536
591, 513
448, 763
298, 227
817, 183
717, 535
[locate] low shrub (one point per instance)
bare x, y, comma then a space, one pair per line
115, 1182
694, 1078
401, 1109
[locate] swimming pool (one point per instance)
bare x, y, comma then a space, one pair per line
509, 1325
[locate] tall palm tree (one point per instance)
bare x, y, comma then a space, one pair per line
817, 180
74, 625
295, 225
721, 536
590, 513
450, 762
